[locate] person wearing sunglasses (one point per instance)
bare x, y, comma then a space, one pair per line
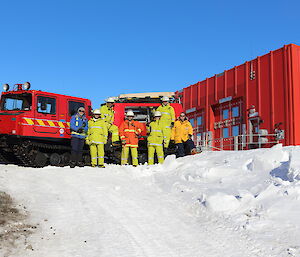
182, 133
79, 128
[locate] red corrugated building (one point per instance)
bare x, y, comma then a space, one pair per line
256, 104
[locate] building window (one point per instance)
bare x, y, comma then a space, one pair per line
74, 106
199, 121
225, 114
235, 112
192, 121
235, 130
225, 132
46, 105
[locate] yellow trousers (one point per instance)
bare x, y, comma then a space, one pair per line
97, 154
167, 136
114, 130
125, 154
159, 152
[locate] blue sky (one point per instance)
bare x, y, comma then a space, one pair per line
95, 49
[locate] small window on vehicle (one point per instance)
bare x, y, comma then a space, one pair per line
192, 121
235, 111
225, 133
199, 121
225, 114
46, 105
74, 106
235, 131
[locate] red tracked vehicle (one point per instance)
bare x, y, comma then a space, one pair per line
34, 126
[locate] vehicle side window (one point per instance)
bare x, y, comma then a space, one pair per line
46, 105
73, 107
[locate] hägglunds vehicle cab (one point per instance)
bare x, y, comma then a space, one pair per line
34, 126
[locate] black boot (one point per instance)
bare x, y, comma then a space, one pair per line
80, 164
72, 164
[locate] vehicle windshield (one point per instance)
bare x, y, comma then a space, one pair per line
142, 114
14, 102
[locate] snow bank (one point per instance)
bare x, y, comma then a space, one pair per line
226, 201
257, 190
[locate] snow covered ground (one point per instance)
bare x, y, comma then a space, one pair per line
229, 204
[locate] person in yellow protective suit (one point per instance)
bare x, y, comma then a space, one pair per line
182, 133
156, 139
167, 118
129, 132
97, 138
108, 114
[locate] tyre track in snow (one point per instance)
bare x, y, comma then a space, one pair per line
84, 221
230, 240
191, 233
118, 215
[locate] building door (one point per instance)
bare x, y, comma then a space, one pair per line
228, 125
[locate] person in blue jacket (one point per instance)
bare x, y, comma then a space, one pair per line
79, 128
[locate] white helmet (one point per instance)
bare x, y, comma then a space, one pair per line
110, 100
165, 99
157, 114
129, 113
96, 111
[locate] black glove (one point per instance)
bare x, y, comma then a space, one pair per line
172, 124
80, 130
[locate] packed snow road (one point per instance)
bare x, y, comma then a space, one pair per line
175, 209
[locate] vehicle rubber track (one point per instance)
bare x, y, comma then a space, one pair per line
35, 154
3, 160
23, 153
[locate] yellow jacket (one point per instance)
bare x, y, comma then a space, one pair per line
167, 114
181, 131
107, 114
97, 132
156, 131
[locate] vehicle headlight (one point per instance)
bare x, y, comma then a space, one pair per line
26, 85
5, 87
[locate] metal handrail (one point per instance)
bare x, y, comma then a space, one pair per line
240, 140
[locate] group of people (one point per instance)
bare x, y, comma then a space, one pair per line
161, 131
